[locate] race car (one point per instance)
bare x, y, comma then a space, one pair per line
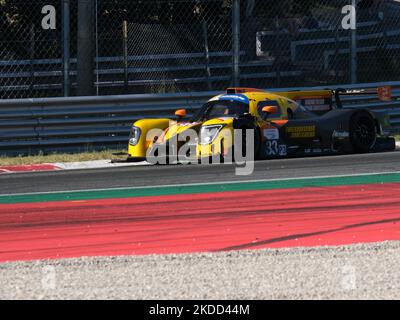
285, 124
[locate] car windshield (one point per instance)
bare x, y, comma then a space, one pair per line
221, 108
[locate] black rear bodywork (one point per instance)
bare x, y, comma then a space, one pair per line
338, 131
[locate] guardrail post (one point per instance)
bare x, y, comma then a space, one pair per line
236, 42
85, 66
66, 41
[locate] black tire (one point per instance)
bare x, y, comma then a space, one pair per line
363, 131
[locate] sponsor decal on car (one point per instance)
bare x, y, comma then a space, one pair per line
235, 97
340, 134
317, 151
301, 132
273, 148
385, 93
271, 134
315, 103
283, 150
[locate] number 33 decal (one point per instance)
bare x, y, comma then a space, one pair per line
273, 148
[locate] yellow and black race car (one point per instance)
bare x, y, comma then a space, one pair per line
294, 123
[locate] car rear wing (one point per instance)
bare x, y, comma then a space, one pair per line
383, 94
322, 101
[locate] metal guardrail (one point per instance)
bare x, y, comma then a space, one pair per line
79, 123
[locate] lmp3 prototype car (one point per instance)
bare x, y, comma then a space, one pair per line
285, 124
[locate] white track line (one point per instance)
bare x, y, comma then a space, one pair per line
205, 183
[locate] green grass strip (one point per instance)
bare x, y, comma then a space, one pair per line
202, 188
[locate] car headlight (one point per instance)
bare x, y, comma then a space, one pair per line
209, 133
135, 136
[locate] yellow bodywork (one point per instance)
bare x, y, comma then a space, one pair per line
155, 130
174, 129
223, 142
145, 125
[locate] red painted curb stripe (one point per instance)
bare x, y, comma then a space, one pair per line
203, 222
27, 168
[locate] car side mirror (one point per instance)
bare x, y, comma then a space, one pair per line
180, 113
269, 110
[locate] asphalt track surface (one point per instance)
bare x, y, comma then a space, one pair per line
357, 271
182, 174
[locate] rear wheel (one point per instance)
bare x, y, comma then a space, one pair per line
362, 131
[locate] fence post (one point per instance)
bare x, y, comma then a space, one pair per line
85, 66
278, 52
66, 41
125, 54
353, 49
207, 54
236, 42
32, 49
